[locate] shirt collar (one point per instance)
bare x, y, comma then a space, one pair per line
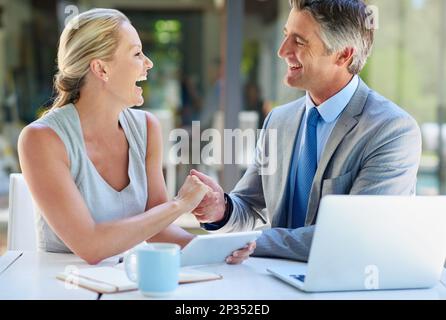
332, 108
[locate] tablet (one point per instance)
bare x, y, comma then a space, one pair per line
215, 248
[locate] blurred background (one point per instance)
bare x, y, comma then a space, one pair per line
216, 62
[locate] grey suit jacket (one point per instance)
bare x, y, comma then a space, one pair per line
375, 148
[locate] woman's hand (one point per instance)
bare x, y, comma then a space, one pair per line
241, 255
192, 193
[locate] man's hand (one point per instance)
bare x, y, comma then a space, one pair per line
241, 255
212, 207
192, 193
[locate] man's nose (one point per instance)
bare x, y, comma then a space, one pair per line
284, 49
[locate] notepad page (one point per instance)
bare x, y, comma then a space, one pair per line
114, 279
188, 275
108, 275
87, 283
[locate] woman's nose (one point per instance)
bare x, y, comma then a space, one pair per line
148, 63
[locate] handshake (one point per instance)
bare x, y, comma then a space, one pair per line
204, 198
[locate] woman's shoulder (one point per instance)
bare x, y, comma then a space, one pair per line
39, 134
39, 141
44, 129
153, 130
142, 115
146, 120
145, 129
152, 121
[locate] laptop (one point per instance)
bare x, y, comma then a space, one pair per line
373, 243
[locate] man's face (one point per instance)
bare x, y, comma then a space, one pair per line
302, 48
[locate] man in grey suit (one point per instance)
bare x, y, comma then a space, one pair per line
341, 138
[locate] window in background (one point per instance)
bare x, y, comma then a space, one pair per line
172, 40
404, 68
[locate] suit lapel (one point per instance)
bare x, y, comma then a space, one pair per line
347, 121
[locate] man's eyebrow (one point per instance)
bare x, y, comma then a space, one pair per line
295, 34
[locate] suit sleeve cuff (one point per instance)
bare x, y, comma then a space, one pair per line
214, 226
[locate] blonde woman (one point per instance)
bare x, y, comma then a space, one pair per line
93, 165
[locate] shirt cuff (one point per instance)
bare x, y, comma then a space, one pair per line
214, 226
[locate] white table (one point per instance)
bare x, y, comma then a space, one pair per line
32, 276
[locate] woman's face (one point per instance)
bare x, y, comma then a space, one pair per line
128, 67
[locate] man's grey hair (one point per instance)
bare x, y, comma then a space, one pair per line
343, 25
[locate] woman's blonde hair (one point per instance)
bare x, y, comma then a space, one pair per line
93, 34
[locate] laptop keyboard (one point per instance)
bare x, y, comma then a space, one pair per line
299, 277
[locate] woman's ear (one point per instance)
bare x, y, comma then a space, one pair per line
99, 69
345, 57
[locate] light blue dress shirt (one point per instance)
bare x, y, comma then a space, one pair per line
330, 112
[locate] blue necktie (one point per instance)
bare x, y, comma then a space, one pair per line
306, 169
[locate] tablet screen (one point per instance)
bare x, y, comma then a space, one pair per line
215, 248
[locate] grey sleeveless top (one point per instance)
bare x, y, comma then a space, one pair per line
104, 202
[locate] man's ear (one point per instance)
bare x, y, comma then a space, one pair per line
345, 57
99, 69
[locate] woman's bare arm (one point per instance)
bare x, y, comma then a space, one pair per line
45, 166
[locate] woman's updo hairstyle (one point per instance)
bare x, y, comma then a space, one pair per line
93, 34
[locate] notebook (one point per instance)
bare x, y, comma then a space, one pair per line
114, 279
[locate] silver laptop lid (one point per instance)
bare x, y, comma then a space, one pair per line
377, 242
